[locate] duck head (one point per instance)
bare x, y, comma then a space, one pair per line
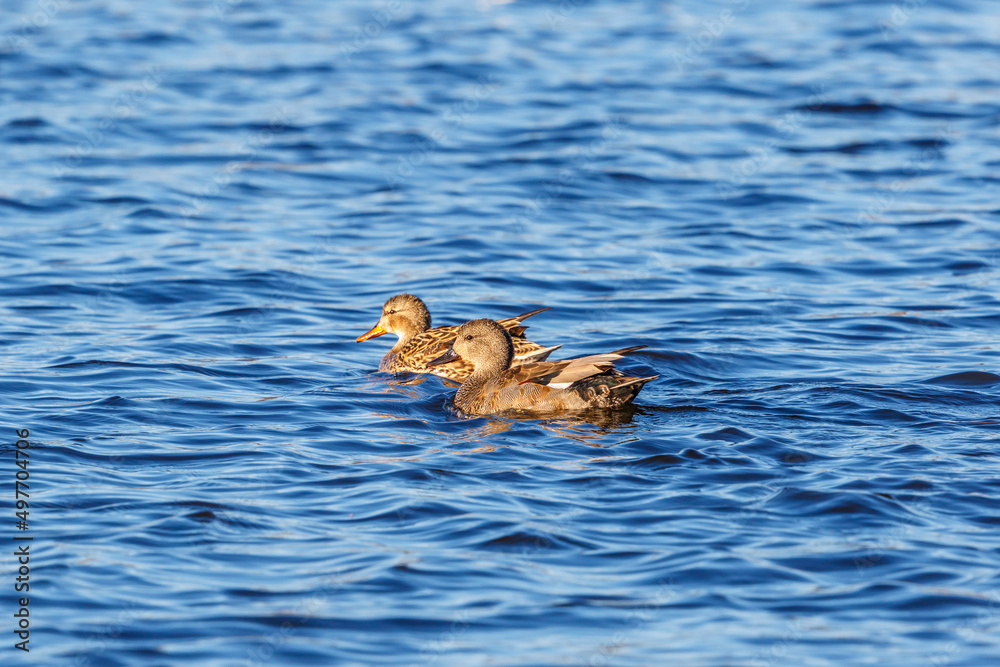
404, 315
484, 344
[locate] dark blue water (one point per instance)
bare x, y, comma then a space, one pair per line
793, 204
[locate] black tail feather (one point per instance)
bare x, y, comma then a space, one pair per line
625, 393
626, 350
525, 316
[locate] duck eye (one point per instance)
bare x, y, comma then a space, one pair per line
468, 337
392, 312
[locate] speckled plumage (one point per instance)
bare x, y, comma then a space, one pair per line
544, 387
406, 316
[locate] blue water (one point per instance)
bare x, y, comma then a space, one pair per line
793, 204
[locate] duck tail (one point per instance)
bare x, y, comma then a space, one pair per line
532, 313
625, 392
626, 350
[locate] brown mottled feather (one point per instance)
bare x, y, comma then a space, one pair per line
417, 346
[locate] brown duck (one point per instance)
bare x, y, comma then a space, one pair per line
543, 387
406, 316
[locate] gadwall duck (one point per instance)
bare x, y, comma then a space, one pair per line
548, 386
406, 316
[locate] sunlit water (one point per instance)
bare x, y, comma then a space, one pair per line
793, 204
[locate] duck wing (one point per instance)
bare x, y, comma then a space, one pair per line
432, 343
555, 386
563, 374
432, 338
526, 352
426, 346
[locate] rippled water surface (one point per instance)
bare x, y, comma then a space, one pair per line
792, 204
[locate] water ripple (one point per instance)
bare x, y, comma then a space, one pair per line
790, 204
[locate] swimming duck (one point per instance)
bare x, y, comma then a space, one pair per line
548, 386
406, 316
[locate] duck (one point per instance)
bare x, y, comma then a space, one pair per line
407, 316
497, 385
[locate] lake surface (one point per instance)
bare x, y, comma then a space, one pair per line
793, 204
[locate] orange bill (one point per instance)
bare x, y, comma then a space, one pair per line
374, 333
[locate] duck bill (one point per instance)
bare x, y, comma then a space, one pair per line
445, 358
374, 333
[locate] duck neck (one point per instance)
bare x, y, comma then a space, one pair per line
405, 333
401, 342
481, 375
470, 388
